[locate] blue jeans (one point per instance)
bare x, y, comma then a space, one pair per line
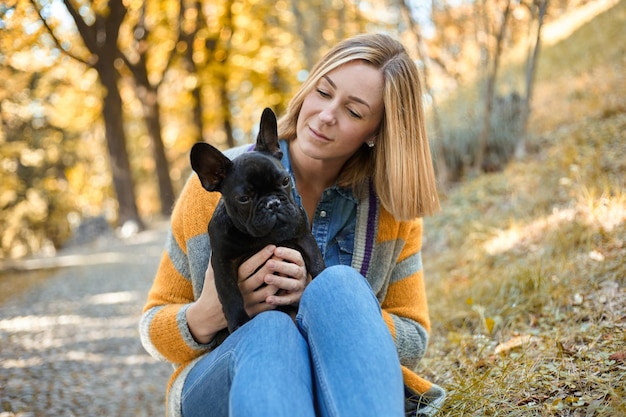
339, 360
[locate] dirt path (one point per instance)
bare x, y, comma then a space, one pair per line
69, 345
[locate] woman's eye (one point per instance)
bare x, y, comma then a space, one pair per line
323, 93
355, 114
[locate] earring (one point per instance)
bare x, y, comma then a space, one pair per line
371, 143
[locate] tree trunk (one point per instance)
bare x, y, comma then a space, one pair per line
152, 117
189, 37
100, 37
443, 175
116, 143
149, 97
226, 116
483, 140
307, 28
222, 80
531, 69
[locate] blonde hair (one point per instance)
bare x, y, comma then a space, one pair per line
400, 165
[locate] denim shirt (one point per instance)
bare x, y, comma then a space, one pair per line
334, 220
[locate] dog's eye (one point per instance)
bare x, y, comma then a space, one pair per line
243, 199
286, 182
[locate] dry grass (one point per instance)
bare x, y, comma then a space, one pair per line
526, 268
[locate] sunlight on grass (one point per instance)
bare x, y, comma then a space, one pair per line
560, 30
606, 213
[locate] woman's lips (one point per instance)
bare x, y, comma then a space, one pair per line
318, 135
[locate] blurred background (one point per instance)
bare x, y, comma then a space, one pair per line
100, 101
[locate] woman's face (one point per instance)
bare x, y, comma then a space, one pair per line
342, 112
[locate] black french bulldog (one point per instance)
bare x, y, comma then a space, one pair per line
257, 209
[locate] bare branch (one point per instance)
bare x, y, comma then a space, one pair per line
86, 32
54, 38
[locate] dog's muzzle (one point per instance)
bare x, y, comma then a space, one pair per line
273, 204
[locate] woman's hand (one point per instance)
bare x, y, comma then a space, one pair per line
273, 277
205, 316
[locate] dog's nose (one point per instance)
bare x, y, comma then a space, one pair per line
272, 204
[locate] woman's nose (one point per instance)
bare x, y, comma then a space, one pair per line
327, 115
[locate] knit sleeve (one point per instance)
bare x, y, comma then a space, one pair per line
163, 325
405, 308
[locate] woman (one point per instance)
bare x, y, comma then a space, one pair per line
355, 145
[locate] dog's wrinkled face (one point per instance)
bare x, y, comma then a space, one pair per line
256, 189
258, 199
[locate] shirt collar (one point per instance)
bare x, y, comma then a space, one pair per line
345, 192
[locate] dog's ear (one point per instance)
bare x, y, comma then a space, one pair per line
267, 140
210, 164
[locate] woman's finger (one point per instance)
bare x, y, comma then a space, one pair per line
252, 264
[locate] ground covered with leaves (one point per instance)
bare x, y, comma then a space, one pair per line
526, 268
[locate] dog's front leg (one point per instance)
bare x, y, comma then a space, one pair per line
230, 296
312, 255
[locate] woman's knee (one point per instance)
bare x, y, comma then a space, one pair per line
273, 339
336, 280
338, 285
269, 324
272, 318
273, 329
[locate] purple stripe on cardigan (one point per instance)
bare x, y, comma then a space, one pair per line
371, 228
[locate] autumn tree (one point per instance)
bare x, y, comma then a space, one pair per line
99, 31
423, 55
193, 31
495, 26
142, 46
538, 9
476, 45
50, 163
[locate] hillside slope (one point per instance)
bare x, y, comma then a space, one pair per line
526, 268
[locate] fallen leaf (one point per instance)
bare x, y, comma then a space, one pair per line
563, 350
489, 324
596, 256
533, 399
513, 343
618, 356
486, 362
